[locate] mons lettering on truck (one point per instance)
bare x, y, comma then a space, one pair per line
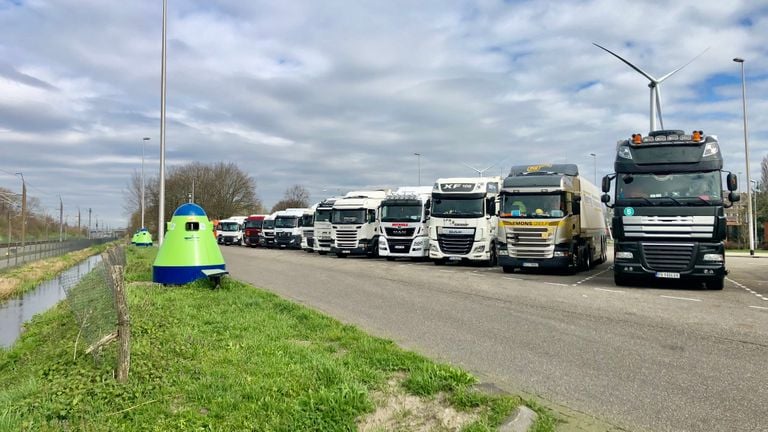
550, 217
355, 223
404, 217
669, 220
463, 221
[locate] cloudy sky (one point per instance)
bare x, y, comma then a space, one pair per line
339, 95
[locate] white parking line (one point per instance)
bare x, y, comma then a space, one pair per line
610, 290
593, 276
681, 298
512, 278
447, 271
556, 284
760, 296
759, 307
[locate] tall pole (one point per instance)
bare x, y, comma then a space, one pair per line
193, 191
418, 162
746, 156
594, 160
89, 223
23, 211
78, 221
61, 221
143, 141
161, 206
754, 208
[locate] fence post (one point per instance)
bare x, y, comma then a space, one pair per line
123, 325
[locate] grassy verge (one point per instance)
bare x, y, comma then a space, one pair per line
18, 280
237, 358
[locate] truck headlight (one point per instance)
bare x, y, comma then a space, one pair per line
713, 257
624, 255
479, 249
560, 253
382, 242
433, 248
418, 242
624, 152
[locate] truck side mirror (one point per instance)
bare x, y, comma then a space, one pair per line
605, 198
491, 206
733, 196
428, 204
733, 182
606, 186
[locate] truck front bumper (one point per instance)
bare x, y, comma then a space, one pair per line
292, 242
631, 261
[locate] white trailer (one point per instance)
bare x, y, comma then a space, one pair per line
550, 218
404, 218
323, 235
463, 221
355, 223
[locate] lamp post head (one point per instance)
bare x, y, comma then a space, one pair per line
592, 154
738, 60
146, 138
417, 154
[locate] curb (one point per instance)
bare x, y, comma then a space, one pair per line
520, 421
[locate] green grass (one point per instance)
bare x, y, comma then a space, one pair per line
232, 359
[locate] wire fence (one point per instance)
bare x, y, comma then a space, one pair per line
13, 254
97, 300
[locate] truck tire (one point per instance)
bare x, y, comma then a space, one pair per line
587, 259
620, 279
390, 258
494, 259
716, 284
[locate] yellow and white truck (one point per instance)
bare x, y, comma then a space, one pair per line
550, 217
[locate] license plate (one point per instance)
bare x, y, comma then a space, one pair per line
668, 275
530, 264
454, 258
345, 251
399, 247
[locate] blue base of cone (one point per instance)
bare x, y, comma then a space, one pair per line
143, 244
180, 275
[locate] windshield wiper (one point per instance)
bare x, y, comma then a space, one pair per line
670, 198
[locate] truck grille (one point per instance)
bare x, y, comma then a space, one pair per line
669, 226
310, 242
668, 256
399, 232
529, 242
346, 239
399, 245
456, 244
325, 244
284, 234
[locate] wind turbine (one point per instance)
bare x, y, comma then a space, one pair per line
481, 171
653, 85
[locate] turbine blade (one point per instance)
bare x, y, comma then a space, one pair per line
657, 89
470, 166
640, 71
678, 69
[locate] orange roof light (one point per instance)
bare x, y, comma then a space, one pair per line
696, 135
637, 139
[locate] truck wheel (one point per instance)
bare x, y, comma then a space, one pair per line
390, 258
587, 259
508, 269
494, 260
716, 284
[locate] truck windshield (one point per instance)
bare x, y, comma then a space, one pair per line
457, 207
306, 220
401, 213
253, 223
532, 205
286, 222
348, 216
229, 226
268, 224
323, 216
670, 189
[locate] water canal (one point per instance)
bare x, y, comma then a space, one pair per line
16, 311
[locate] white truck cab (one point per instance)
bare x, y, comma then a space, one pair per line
403, 218
355, 223
308, 229
323, 237
463, 221
267, 238
230, 230
288, 228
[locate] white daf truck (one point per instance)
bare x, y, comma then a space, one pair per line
268, 231
288, 228
307, 224
403, 223
323, 237
550, 218
463, 221
355, 223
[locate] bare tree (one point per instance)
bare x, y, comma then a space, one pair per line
296, 196
221, 189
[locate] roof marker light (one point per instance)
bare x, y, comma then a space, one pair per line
697, 135
637, 139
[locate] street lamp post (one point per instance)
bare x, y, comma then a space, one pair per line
594, 160
23, 214
754, 210
418, 162
143, 141
161, 204
746, 156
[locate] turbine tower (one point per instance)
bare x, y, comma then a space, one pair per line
653, 85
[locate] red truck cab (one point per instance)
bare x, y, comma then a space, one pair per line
253, 229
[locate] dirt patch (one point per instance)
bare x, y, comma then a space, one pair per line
399, 411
